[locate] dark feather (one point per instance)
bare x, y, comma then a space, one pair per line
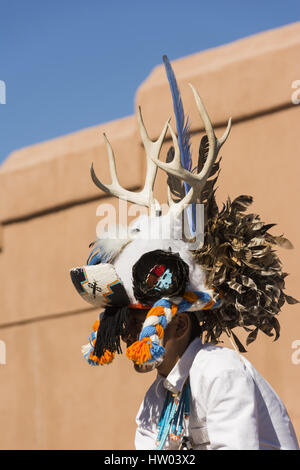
238, 343
291, 300
252, 336
175, 184
241, 203
203, 152
240, 262
275, 323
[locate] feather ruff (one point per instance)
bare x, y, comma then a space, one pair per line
240, 262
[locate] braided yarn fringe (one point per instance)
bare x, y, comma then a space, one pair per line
148, 348
88, 350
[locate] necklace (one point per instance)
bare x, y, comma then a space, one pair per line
175, 411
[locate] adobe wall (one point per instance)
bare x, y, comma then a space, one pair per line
50, 398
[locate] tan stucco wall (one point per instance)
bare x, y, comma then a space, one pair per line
50, 398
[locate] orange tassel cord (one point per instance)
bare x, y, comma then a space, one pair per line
139, 352
106, 358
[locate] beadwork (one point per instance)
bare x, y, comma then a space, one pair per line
175, 412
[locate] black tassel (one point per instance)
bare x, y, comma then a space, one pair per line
113, 324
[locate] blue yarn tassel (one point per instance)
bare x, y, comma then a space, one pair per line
157, 351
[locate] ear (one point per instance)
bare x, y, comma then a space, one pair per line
183, 325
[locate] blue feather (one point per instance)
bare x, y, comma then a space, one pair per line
183, 132
182, 124
105, 249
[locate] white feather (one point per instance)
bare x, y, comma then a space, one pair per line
111, 242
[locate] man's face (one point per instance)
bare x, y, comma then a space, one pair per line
136, 319
135, 323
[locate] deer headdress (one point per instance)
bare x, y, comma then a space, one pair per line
233, 278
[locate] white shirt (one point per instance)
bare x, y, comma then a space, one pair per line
231, 406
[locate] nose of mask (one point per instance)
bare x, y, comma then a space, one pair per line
99, 285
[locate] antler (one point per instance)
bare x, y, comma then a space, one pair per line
152, 148
196, 181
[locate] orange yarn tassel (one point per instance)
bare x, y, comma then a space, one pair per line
139, 351
106, 358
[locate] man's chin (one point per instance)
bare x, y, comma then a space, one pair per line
144, 368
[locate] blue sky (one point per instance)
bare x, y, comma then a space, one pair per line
71, 64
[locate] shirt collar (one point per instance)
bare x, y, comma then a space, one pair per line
180, 372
